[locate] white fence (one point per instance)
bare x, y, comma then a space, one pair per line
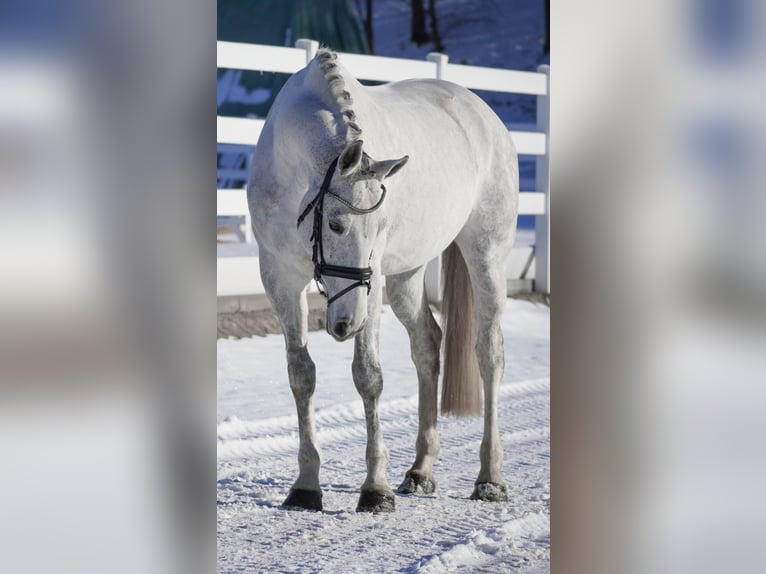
237, 263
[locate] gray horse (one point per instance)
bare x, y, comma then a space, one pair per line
323, 208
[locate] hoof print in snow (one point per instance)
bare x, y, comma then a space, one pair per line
490, 492
300, 499
375, 501
416, 483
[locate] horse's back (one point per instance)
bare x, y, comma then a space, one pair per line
461, 107
456, 124
462, 170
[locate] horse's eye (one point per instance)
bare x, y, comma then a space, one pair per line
336, 227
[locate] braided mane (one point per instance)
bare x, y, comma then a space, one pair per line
326, 59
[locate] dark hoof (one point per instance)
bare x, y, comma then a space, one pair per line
416, 483
303, 499
374, 501
490, 492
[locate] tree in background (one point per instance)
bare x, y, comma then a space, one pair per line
369, 31
368, 27
547, 39
418, 33
438, 46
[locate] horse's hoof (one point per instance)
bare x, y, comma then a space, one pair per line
416, 483
301, 499
375, 501
490, 492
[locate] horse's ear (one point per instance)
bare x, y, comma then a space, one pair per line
350, 158
388, 167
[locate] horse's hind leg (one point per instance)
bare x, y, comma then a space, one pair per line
486, 266
288, 297
406, 293
376, 494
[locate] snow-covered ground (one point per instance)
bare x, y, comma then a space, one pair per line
257, 449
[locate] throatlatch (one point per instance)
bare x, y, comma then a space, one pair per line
361, 275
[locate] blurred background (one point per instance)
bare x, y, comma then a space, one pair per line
107, 276
107, 286
657, 203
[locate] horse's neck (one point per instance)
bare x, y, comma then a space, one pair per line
316, 83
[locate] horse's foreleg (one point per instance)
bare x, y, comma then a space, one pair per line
406, 293
305, 492
376, 494
288, 297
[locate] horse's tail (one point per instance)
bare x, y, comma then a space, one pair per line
461, 387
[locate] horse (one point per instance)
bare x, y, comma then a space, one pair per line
445, 181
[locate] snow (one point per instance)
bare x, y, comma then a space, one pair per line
257, 462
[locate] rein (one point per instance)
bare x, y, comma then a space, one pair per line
360, 275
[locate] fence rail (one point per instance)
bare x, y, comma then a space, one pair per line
245, 131
238, 261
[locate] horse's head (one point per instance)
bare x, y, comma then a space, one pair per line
350, 228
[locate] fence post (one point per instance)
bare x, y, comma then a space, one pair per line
441, 63
543, 184
311, 47
433, 273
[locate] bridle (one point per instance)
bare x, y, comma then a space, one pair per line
360, 275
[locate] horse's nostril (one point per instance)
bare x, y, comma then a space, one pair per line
341, 328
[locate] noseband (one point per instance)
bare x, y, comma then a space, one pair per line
360, 275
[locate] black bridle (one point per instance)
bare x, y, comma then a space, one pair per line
360, 275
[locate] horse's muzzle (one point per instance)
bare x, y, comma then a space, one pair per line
342, 329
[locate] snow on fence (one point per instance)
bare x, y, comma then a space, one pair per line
237, 263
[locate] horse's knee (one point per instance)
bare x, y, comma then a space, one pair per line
302, 372
368, 378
